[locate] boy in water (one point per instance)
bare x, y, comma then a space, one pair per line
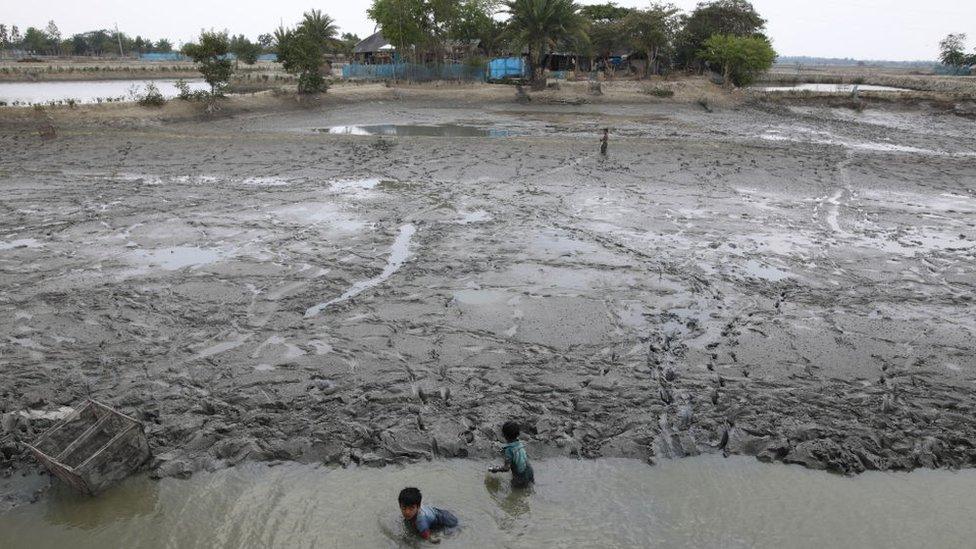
425, 519
516, 460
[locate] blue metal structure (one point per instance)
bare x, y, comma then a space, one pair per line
507, 67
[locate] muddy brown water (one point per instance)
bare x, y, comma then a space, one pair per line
696, 502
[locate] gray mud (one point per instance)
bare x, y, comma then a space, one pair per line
755, 282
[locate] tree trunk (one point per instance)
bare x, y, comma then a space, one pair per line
727, 76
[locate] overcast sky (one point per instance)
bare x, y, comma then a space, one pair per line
863, 29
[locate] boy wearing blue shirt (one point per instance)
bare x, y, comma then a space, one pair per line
423, 518
516, 460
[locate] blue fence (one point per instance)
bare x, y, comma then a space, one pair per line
507, 67
174, 56
411, 71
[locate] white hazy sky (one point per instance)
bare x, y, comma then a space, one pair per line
863, 29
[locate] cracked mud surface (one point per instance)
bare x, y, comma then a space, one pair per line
254, 290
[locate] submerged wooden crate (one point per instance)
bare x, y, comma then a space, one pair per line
94, 447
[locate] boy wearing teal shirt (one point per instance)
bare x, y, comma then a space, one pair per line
516, 460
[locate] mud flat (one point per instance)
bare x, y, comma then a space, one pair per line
793, 283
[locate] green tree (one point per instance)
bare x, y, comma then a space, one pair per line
322, 28
540, 25
210, 54
421, 28
652, 31
301, 51
348, 42
741, 58
267, 41
164, 46
15, 39
605, 13
35, 40
54, 35
606, 29
245, 50
952, 51
4, 37
729, 17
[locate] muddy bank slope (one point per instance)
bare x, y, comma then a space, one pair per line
791, 285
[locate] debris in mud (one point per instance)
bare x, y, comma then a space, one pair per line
93, 448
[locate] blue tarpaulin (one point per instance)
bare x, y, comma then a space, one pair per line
507, 67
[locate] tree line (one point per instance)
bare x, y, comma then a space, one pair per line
49, 41
728, 35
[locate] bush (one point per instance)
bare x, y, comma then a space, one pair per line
659, 92
152, 97
742, 58
184, 89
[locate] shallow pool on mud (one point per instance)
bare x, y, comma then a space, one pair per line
409, 130
696, 502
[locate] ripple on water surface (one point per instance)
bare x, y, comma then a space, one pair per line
697, 502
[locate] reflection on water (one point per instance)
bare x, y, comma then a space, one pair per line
86, 91
397, 130
830, 88
696, 502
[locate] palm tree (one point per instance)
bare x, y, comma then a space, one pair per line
539, 25
322, 27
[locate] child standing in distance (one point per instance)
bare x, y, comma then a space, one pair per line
424, 519
605, 141
516, 460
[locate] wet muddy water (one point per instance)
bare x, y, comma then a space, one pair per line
698, 502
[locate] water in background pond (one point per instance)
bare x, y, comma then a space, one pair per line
696, 502
830, 88
407, 130
86, 91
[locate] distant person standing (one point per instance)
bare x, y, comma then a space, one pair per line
605, 142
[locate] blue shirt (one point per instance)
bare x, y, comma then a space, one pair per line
516, 457
432, 518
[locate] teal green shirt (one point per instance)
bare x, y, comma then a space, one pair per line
516, 457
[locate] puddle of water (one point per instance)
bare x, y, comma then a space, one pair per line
830, 88
316, 213
399, 252
804, 135
355, 185
86, 91
20, 243
409, 130
695, 502
756, 269
477, 216
175, 258
223, 347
